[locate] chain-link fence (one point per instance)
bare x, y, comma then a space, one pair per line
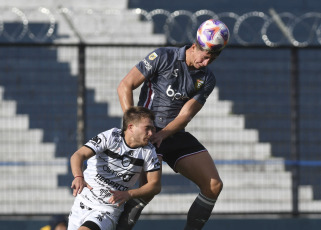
92, 25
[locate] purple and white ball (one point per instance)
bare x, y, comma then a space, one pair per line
213, 35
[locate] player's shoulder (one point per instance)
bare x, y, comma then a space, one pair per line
166, 51
116, 132
112, 133
149, 147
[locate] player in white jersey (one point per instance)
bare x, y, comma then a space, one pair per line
116, 158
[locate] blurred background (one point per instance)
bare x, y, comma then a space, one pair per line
60, 65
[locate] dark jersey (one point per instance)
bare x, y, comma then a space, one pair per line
170, 84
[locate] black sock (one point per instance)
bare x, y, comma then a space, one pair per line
199, 213
131, 213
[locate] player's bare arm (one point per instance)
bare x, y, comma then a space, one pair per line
76, 162
151, 188
126, 87
188, 111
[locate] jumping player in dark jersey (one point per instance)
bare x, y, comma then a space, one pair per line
176, 83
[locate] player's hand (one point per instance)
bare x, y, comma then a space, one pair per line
119, 197
78, 184
156, 139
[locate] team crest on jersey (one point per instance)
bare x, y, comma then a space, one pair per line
152, 56
126, 161
198, 84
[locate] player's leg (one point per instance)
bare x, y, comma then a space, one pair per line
134, 207
89, 225
200, 169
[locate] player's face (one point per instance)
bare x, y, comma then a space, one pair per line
199, 58
202, 59
143, 131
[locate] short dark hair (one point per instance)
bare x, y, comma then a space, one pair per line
211, 52
134, 114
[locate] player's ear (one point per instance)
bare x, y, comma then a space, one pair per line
130, 127
194, 47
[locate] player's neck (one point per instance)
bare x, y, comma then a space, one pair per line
129, 140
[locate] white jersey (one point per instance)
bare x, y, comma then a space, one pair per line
115, 166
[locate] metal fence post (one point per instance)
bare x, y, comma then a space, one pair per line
81, 95
295, 130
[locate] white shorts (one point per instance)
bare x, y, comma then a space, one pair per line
81, 213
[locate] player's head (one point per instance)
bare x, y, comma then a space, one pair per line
212, 36
138, 124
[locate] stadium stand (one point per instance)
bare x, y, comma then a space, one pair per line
38, 118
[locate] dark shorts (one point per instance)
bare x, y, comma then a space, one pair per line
178, 146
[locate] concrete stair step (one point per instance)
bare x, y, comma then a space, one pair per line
241, 166
129, 39
211, 122
27, 136
34, 208
241, 151
181, 204
310, 206
1, 93
45, 167
39, 181
227, 135
17, 122
26, 156
28, 148
78, 4
35, 195
7, 108
237, 180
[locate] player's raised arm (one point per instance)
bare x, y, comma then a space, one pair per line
76, 162
126, 87
189, 110
151, 188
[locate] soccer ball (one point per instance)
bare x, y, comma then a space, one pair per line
213, 35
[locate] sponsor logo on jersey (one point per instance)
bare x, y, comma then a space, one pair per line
152, 56
148, 66
175, 95
198, 84
175, 73
126, 177
111, 183
105, 193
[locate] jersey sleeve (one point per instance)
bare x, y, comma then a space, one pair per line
207, 88
149, 65
151, 161
100, 142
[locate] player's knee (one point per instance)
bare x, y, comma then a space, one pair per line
214, 189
